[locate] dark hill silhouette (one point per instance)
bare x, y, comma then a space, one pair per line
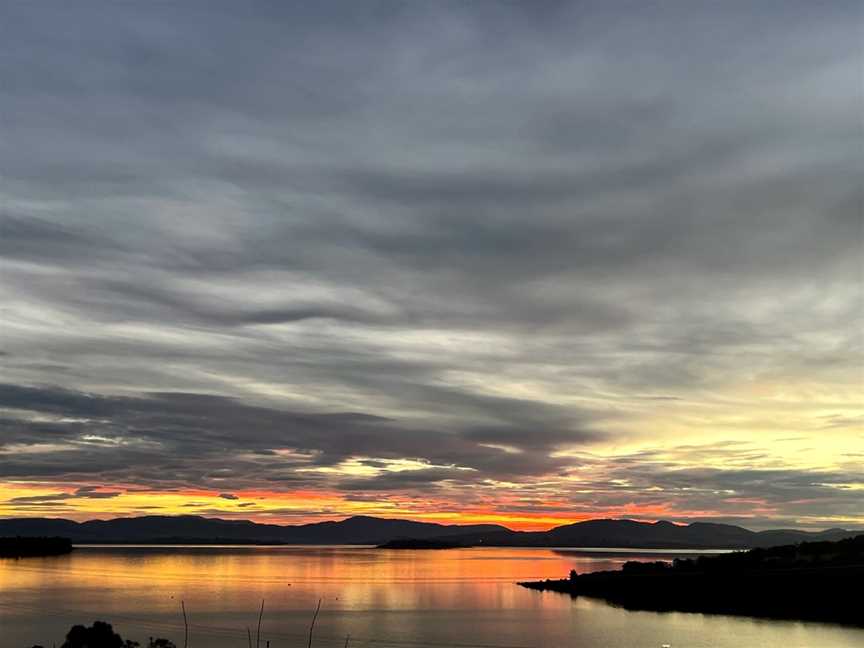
376, 531
646, 535
190, 528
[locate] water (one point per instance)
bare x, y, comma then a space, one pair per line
387, 599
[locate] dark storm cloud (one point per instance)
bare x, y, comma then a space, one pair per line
176, 440
85, 492
37, 499
425, 479
493, 229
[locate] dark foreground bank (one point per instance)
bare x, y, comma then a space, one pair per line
20, 547
811, 581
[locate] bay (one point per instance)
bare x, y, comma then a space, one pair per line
384, 598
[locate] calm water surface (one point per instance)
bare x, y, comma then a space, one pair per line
387, 599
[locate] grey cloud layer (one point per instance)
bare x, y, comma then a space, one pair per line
483, 225
192, 441
180, 441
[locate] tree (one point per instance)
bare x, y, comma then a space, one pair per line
102, 635
160, 643
99, 635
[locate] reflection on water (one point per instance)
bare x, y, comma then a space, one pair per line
464, 597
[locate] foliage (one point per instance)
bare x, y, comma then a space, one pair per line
102, 635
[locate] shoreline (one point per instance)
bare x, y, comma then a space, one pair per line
34, 547
779, 600
807, 582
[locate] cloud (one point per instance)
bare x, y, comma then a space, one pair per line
172, 440
91, 492
228, 496
84, 492
475, 236
37, 499
424, 479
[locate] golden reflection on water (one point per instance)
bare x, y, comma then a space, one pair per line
349, 577
463, 596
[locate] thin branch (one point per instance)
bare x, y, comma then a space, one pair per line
347, 639
185, 625
312, 627
258, 634
249, 636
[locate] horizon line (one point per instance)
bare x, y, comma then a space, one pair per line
409, 519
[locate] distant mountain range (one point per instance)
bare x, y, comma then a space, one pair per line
374, 531
195, 529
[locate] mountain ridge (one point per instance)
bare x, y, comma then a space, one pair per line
369, 530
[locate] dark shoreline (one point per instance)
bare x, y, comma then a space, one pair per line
412, 543
23, 547
818, 582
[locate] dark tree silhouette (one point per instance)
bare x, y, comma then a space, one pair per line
102, 635
161, 643
99, 635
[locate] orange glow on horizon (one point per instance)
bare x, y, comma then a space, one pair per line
292, 508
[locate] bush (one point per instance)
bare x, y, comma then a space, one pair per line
102, 635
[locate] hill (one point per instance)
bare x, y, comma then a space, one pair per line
648, 535
195, 529
376, 531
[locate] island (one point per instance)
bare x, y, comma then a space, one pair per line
23, 547
810, 581
418, 543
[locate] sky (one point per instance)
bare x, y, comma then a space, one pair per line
518, 262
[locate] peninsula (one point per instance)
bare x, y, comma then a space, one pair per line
811, 581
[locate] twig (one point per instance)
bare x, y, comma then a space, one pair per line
258, 634
185, 625
312, 627
249, 636
347, 639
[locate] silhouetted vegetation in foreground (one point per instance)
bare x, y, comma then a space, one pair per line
102, 635
20, 547
811, 581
